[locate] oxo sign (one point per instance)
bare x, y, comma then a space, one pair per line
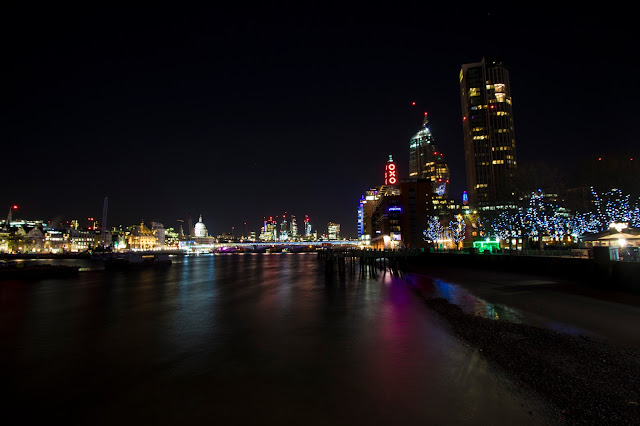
390, 173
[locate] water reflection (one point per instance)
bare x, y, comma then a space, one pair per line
241, 339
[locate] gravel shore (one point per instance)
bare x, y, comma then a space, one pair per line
589, 381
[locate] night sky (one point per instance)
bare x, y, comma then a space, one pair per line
237, 115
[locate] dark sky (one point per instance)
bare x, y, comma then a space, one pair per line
240, 114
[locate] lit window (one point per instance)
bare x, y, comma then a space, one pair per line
474, 91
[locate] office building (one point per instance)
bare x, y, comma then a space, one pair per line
487, 121
307, 226
366, 205
426, 161
284, 229
294, 229
333, 229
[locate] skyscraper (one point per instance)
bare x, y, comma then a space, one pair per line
294, 228
284, 229
307, 226
489, 142
426, 161
333, 229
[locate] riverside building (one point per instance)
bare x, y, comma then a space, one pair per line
489, 142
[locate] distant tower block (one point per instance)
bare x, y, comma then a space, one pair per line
190, 224
105, 208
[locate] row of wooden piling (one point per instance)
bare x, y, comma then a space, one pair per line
369, 263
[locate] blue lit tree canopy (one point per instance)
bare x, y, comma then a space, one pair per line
541, 216
457, 229
434, 230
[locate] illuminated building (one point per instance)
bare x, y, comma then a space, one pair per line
142, 238
333, 229
487, 122
294, 228
269, 231
284, 229
171, 238
200, 234
373, 217
361, 217
81, 239
385, 221
307, 226
200, 230
27, 239
5, 237
56, 240
366, 205
426, 161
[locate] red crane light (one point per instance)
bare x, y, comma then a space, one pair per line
15, 207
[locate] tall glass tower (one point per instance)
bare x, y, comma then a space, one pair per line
489, 142
426, 161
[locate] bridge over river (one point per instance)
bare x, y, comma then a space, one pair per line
293, 246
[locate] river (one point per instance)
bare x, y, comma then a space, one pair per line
242, 339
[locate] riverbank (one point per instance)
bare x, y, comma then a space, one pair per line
590, 381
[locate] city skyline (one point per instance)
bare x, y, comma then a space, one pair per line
245, 117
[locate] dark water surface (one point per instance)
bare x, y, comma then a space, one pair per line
241, 339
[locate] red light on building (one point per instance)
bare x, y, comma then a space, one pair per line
390, 173
413, 103
15, 207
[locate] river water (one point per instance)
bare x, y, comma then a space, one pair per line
242, 339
